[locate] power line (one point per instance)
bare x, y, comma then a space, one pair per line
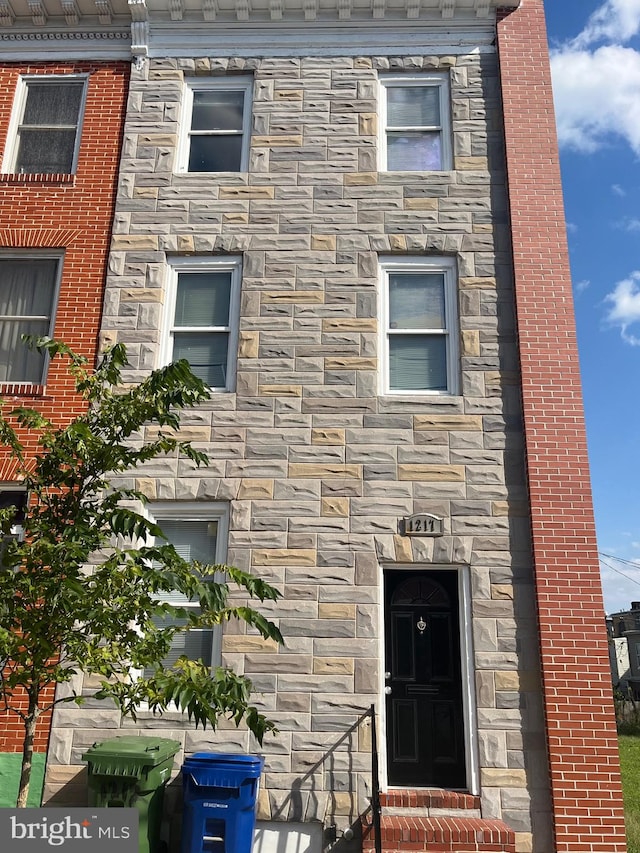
632, 563
613, 568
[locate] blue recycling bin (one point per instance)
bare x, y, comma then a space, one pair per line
220, 792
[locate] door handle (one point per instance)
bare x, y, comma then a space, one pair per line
387, 690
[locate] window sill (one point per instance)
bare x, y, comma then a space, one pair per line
425, 403
423, 396
446, 171
22, 389
66, 179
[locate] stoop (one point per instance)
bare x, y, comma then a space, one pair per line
438, 822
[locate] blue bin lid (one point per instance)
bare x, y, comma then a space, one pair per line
225, 769
241, 761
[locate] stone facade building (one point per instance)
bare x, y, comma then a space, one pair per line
348, 217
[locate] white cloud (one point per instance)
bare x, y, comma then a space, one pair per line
615, 20
616, 189
582, 285
629, 223
596, 96
625, 310
596, 79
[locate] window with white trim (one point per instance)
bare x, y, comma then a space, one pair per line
28, 291
420, 326
202, 322
197, 532
416, 126
217, 116
44, 135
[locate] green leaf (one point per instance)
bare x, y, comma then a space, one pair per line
58, 618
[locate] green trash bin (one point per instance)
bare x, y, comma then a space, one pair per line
131, 772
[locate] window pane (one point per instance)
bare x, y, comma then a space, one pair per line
17, 362
417, 363
414, 152
196, 644
53, 103
217, 110
413, 106
416, 301
47, 152
206, 352
27, 286
215, 153
193, 540
203, 299
26, 290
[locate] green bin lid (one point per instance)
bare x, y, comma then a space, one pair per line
131, 752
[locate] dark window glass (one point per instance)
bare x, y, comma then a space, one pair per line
215, 154
49, 127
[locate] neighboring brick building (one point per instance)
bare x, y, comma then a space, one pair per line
349, 217
61, 117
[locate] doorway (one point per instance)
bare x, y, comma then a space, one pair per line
423, 680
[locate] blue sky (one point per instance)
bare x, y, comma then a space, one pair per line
595, 55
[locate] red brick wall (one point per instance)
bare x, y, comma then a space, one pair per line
581, 734
72, 213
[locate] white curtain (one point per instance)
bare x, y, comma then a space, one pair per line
26, 300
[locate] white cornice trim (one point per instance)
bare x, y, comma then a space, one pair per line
6, 14
344, 38
61, 44
114, 29
295, 11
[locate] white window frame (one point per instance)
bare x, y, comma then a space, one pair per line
19, 103
438, 80
204, 265
227, 84
39, 256
413, 266
159, 511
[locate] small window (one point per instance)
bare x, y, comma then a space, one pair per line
203, 320
416, 123
420, 326
44, 138
197, 533
217, 115
28, 288
12, 497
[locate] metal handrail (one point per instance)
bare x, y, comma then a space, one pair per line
376, 809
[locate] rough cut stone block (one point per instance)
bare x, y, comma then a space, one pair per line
436, 473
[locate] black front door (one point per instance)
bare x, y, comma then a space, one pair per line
425, 729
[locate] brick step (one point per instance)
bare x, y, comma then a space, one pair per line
440, 835
430, 802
